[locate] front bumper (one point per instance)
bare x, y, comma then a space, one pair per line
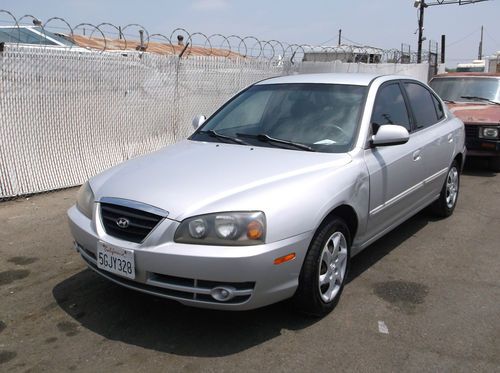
188, 273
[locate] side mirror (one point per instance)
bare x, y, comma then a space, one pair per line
198, 121
390, 134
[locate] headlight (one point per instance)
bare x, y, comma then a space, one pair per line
85, 200
197, 228
225, 228
488, 133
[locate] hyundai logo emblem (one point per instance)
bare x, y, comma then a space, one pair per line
122, 222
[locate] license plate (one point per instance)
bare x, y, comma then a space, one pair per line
116, 260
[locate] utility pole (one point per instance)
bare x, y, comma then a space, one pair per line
421, 9
480, 55
421, 5
340, 37
443, 48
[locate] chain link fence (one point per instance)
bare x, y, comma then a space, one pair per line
67, 113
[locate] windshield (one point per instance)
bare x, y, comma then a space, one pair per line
467, 89
323, 117
31, 35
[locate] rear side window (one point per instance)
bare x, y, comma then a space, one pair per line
422, 104
439, 107
390, 107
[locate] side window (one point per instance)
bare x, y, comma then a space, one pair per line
390, 107
422, 104
439, 107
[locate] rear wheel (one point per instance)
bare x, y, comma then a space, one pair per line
494, 164
325, 269
447, 201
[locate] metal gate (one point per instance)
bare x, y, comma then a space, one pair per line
433, 58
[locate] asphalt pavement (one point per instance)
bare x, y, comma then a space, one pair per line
424, 298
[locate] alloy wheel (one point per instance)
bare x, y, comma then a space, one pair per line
332, 266
451, 187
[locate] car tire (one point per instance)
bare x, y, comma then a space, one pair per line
494, 164
445, 204
323, 274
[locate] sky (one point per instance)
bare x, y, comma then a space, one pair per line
379, 23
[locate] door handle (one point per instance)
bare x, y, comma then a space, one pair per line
416, 155
450, 137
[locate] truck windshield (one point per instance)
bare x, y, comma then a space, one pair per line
467, 89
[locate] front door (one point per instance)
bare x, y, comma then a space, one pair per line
396, 171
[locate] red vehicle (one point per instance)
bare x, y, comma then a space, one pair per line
475, 99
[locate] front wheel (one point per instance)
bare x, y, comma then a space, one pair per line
445, 205
325, 269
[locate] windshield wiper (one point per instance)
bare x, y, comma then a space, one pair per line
480, 99
266, 138
449, 101
218, 135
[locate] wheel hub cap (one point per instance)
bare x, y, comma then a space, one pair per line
332, 266
451, 187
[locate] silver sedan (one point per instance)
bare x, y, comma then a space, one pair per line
271, 197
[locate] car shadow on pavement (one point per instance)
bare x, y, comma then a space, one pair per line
117, 313
380, 248
475, 166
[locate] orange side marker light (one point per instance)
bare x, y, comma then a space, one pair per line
283, 259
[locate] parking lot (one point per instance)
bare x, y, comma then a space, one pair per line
435, 285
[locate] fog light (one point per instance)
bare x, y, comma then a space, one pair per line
222, 294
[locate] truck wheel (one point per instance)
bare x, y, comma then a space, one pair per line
444, 206
325, 269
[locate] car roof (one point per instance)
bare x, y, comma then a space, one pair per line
331, 78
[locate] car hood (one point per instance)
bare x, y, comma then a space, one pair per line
190, 177
474, 113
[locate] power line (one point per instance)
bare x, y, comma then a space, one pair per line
491, 37
343, 38
351, 41
463, 38
329, 40
459, 2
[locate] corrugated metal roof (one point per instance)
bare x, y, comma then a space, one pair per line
152, 47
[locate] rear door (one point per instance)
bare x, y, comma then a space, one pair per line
396, 171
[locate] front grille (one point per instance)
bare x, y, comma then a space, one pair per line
140, 222
471, 132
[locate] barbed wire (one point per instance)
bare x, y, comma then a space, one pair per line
110, 37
